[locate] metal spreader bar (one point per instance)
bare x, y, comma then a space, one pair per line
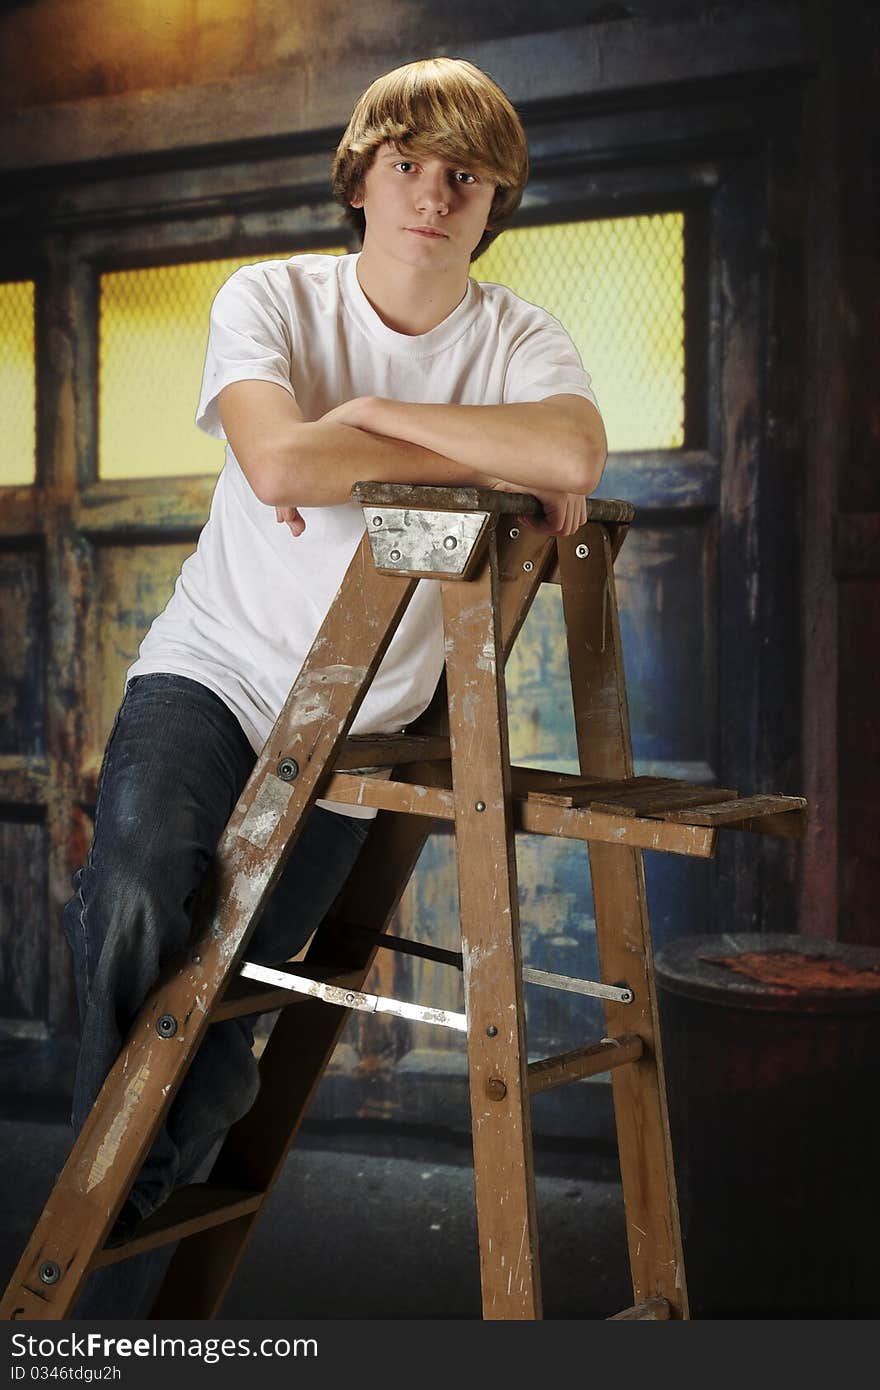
621, 993
352, 998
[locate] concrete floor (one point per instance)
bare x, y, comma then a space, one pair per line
362, 1224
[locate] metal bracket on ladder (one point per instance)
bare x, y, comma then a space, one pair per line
439, 544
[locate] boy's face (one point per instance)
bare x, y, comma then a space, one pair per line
423, 209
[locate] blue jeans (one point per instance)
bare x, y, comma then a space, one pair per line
174, 768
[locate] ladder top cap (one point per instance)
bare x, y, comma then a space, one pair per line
476, 499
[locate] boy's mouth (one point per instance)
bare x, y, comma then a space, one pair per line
428, 232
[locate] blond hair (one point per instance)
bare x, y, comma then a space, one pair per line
446, 107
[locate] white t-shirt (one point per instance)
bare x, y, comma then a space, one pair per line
249, 601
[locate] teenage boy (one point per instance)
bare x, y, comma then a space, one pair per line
321, 371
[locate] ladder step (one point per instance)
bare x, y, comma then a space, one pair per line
583, 791
739, 809
652, 1310
187, 1211
538, 781
389, 750
657, 803
584, 1061
537, 816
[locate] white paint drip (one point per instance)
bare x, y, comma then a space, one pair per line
486, 658
265, 811
109, 1147
313, 693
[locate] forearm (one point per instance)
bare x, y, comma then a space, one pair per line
557, 444
320, 463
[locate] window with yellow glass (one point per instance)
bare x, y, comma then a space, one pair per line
153, 332
617, 285
18, 384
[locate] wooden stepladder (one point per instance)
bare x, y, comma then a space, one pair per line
453, 765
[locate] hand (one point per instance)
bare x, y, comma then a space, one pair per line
564, 512
291, 516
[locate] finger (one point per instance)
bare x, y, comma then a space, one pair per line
577, 513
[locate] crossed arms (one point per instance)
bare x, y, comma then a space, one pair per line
554, 448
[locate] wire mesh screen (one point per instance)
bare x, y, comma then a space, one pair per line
18, 387
617, 285
152, 338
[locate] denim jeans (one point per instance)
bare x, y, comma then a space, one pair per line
174, 768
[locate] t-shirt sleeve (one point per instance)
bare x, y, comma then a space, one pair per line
248, 340
545, 362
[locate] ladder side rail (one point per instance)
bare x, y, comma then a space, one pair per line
489, 913
622, 926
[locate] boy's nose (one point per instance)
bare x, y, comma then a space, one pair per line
433, 193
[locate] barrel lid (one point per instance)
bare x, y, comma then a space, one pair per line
762, 970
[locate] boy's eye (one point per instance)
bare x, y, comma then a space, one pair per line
404, 164
462, 176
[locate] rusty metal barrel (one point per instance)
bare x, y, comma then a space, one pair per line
772, 1056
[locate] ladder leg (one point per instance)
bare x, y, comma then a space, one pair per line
489, 910
622, 927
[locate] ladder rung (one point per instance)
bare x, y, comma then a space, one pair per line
388, 750
584, 1061
187, 1211
652, 1310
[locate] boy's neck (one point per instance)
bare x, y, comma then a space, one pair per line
409, 299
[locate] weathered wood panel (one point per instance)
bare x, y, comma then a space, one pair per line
22, 652
599, 58
132, 585
666, 582
24, 926
859, 755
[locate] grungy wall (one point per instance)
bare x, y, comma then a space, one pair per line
90, 48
